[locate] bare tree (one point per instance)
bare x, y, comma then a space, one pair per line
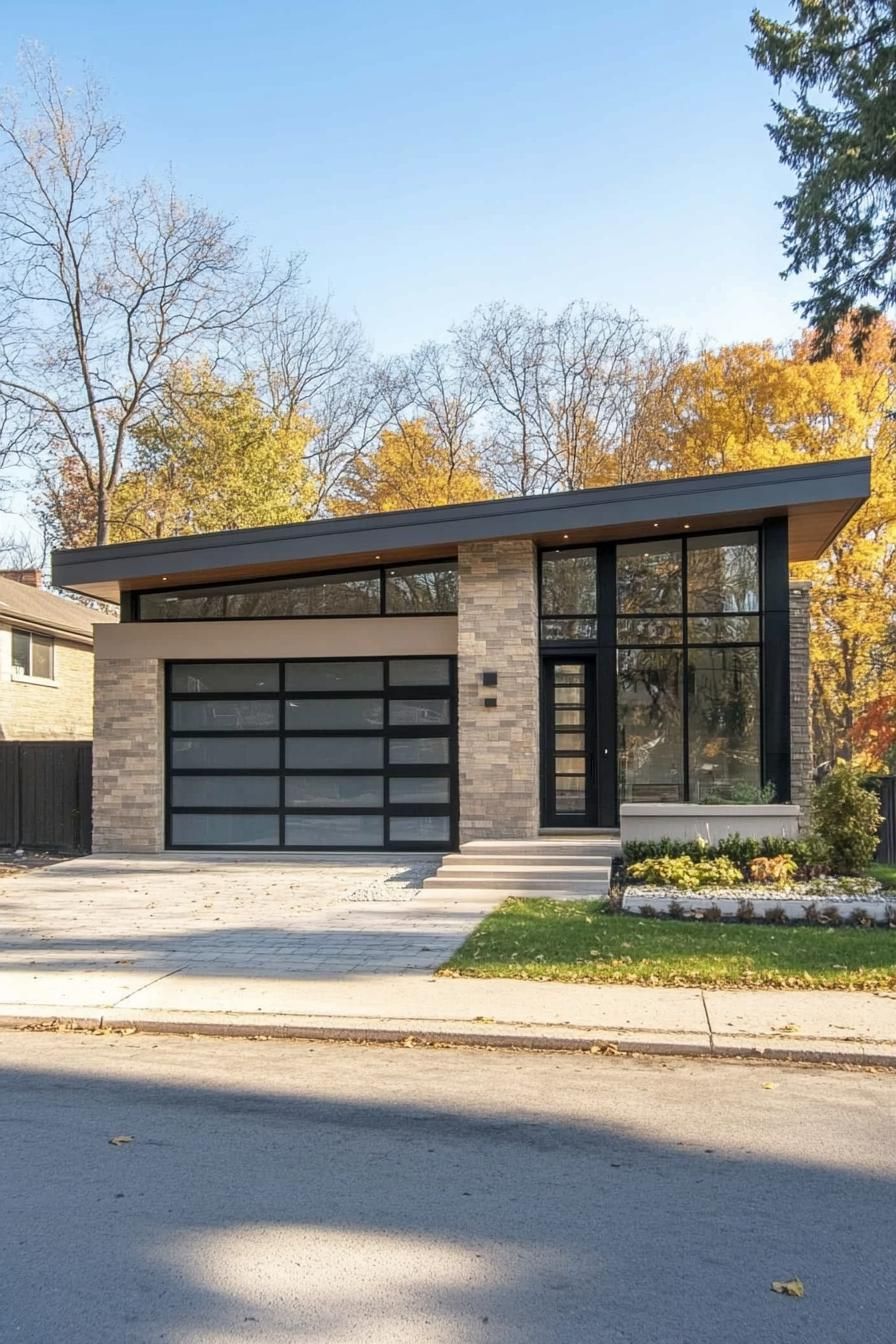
565, 400
101, 291
307, 363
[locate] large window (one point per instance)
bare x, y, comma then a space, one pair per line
687, 653
424, 589
688, 604
32, 655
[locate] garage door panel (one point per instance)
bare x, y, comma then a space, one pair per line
327, 754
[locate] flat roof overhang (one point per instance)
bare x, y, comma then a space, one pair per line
819, 499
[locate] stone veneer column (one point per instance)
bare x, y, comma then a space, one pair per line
497, 631
128, 755
801, 762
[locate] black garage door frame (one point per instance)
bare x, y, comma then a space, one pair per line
389, 771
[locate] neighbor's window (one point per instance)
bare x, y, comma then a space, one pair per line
32, 655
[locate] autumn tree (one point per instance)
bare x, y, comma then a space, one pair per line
207, 458
562, 397
837, 59
753, 405
103, 289
411, 468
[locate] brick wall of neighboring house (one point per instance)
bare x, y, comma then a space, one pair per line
128, 756
497, 631
33, 711
800, 710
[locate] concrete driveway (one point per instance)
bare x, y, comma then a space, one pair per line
125, 923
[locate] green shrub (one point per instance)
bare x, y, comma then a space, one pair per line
846, 819
685, 873
740, 792
810, 858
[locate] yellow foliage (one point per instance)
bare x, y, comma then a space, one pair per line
410, 469
752, 405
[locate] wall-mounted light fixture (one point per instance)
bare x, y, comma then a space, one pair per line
489, 678
491, 702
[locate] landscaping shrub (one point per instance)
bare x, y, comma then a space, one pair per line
685, 873
741, 792
846, 819
778, 871
776, 914
810, 858
745, 913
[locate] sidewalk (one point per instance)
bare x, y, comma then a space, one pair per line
821, 1027
345, 947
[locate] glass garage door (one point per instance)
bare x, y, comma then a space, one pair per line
312, 754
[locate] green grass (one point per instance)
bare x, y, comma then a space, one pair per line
581, 942
885, 873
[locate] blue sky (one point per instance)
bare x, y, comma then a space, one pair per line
431, 156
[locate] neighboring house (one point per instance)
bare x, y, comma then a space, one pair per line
413, 679
46, 661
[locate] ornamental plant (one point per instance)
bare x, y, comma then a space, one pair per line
777, 870
846, 818
685, 873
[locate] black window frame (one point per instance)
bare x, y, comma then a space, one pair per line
773, 643
282, 772
130, 605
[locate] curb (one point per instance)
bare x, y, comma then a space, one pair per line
496, 1036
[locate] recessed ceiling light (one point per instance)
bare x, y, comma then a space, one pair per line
686, 526
656, 524
566, 536
164, 578
377, 557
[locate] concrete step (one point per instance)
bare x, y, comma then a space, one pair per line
493, 894
546, 885
563, 872
527, 859
548, 848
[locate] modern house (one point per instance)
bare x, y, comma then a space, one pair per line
46, 661
413, 680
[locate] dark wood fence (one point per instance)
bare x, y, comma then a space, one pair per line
886, 788
45, 798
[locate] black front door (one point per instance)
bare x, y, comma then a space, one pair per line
569, 720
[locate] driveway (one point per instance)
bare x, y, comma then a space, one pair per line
128, 922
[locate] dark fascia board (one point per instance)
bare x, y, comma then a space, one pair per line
846, 480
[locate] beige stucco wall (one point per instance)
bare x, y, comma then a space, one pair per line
370, 637
34, 711
498, 747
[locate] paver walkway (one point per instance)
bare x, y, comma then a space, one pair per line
330, 914
346, 945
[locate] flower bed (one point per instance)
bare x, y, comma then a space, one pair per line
827, 901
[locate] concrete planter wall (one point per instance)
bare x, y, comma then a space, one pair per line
691, 821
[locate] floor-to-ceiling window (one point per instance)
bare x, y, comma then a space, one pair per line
682, 616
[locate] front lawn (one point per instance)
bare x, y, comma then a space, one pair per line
580, 941
885, 874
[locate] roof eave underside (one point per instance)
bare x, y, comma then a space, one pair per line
820, 498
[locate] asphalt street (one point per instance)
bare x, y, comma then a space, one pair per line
281, 1191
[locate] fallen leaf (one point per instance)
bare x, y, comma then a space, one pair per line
769, 1086
121, 1139
789, 1287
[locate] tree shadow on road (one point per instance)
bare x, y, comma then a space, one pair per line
432, 1196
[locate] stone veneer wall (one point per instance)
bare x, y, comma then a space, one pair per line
497, 631
801, 762
128, 755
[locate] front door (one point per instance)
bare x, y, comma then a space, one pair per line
569, 718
